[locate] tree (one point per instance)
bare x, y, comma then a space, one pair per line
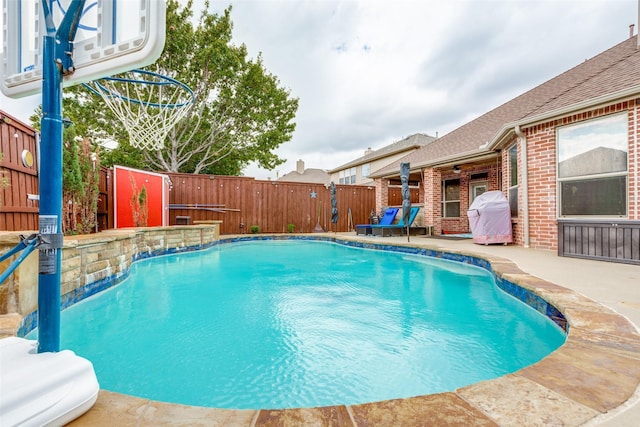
80, 190
240, 111
139, 205
80, 180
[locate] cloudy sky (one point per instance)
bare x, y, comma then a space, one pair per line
372, 72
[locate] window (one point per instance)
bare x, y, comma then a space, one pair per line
451, 198
348, 176
479, 175
476, 189
592, 167
513, 179
366, 170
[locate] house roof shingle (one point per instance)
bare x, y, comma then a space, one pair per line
613, 73
313, 176
416, 140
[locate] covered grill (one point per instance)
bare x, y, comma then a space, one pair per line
490, 218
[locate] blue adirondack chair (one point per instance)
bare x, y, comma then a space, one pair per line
387, 219
395, 229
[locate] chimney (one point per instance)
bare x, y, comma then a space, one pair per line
300, 167
368, 151
631, 27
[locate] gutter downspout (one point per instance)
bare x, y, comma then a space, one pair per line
525, 184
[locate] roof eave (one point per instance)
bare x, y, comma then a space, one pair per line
576, 108
477, 154
507, 131
363, 160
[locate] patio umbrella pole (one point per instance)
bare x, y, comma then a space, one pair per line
406, 195
334, 207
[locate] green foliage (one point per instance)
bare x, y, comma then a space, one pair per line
241, 113
4, 180
144, 206
80, 190
71, 173
255, 229
291, 228
124, 155
80, 170
139, 205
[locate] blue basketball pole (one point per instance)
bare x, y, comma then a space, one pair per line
58, 48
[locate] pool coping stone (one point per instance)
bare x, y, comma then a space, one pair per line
592, 374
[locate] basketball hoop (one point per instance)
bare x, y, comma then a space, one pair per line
148, 104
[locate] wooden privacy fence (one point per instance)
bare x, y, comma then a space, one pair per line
271, 205
239, 202
395, 195
105, 212
19, 164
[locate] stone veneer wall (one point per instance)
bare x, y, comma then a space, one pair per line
90, 263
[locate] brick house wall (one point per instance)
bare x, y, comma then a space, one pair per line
541, 174
542, 165
382, 194
432, 196
541, 156
461, 223
433, 179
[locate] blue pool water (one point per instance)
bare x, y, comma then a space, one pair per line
282, 324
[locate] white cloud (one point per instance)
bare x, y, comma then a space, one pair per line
369, 73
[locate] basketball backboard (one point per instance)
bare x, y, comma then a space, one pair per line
113, 36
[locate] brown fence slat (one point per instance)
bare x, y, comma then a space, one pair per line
270, 205
245, 202
18, 211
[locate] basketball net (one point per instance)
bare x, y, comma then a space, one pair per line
148, 104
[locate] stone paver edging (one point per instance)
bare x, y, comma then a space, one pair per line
595, 371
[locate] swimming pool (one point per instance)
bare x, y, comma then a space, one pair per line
341, 326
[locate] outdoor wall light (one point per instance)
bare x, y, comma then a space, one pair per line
456, 169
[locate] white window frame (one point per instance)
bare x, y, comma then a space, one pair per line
444, 200
513, 187
365, 170
623, 142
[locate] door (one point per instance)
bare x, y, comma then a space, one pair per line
476, 189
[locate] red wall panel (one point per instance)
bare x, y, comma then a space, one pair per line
126, 182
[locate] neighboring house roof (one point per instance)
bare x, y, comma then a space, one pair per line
313, 176
412, 142
596, 161
607, 77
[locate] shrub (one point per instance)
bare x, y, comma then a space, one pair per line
291, 228
254, 229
